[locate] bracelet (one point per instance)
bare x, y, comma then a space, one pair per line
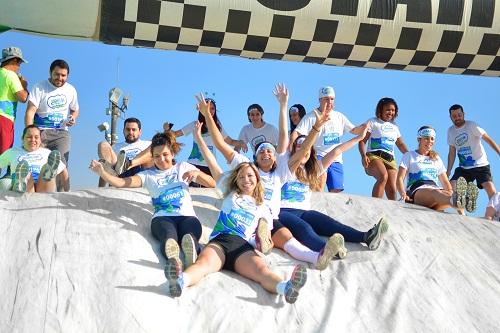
314, 128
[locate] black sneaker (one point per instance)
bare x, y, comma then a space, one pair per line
296, 282
122, 163
375, 234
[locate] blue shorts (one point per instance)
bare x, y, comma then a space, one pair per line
334, 176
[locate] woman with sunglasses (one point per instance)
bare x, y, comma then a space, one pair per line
273, 165
242, 212
425, 169
174, 217
377, 148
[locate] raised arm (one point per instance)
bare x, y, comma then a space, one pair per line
296, 158
334, 153
144, 157
281, 93
219, 142
133, 181
214, 167
492, 143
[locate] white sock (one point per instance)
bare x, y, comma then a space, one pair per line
184, 280
280, 287
300, 252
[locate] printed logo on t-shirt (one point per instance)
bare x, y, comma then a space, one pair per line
331, 139
384, 143
169, 201
130, 154
293, 191
56, 101
461, 139
387, 128
258, 139
465, 157
167, 179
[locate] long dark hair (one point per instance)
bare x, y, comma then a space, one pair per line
201, 118
302, 113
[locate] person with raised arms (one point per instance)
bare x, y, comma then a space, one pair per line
242, 211
174, 217
424, 169
35, 167
273, 166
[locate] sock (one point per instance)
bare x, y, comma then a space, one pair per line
300, 252
184, 280
252, 242
280, 287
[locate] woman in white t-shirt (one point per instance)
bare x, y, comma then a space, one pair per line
493, 208
258, 130
242, 211
379, 160
174, 218
425, 169
35, 167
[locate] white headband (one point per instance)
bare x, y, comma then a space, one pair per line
426, 133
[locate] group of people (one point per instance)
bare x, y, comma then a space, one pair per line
52, 107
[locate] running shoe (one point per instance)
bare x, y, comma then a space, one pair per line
471, 198
20, 177
172, 250
375, 234
172, 272
49, 170
334, 247
189, 249
108, 167
261, 237
297, 281
461, 192
122, 163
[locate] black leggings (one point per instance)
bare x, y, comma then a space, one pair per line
175, 227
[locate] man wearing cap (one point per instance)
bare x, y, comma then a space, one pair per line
13, 89
53, 107
464, 140
329, 136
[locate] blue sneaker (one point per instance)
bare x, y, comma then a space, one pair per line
296, 282
49, 170
20, 177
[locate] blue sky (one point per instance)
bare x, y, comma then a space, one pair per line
162, 85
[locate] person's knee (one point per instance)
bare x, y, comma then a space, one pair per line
489, 187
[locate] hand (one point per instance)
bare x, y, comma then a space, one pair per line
321, 118
405, 198
190, 176
96, 167
281, 93
240, 145
364, 129
166, 126
70, 121
202, 105
365, 161
24, 83
197, 131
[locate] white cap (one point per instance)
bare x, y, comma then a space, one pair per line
326, 92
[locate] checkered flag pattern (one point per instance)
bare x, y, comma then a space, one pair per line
249, 29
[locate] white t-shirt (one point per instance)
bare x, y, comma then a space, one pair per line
383, 136
467, 142
131, 149
53, 104
330, 133
254, 136
421, 167
495, 204
272, 181
239, 214
36, 159
196, 157
169, 192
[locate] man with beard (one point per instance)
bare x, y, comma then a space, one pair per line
464, 139
117, 158
53, 107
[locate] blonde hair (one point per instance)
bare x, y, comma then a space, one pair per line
232, 184
432, 153
311, 173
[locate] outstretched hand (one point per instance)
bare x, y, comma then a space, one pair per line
96, 167
321, 118
202, 105
281, 93
197, 131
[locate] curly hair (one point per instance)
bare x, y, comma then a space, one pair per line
166, 139
382, 103
311, 172
232, 184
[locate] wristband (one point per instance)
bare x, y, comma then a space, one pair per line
314, 128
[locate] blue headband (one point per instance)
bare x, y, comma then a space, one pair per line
427, 133
266, 145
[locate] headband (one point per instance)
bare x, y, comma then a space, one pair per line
426, 133
264, 146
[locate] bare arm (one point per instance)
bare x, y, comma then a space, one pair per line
401, 145
443, 178
166, 127
401, 185
365, 161
237, 144
293, 137
334, 153
22, 95
281, 93
492, 143
217, 138
214, 167
144, 157
30, 114
489, 213
134, 181
451, 159
357, 130
199, 177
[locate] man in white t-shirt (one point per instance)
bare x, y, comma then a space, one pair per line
115, 158
258, 130
53, 107
464, 140
329, 136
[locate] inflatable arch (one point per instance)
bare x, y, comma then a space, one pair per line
443, 36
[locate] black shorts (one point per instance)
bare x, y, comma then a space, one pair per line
480, 175
203, 169
276, 226
233, 246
